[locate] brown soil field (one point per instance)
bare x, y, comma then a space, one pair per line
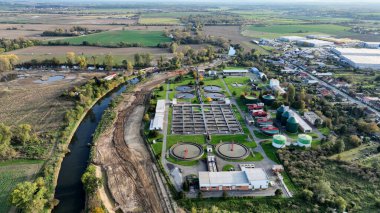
153, 28
24, 101
43, 52
232, 33
124, 158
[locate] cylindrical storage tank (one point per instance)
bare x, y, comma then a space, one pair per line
250, 99
279, 141
304, 140
279, 112
284, 117
268, 99
292, 125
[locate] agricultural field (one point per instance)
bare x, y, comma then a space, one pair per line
119, 54
112, 38
161, 20
275, 31
38, 103
233, 33
13, 172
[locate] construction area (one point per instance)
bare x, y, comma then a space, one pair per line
133, 182
204, 119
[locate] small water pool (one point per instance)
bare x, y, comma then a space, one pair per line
51, 79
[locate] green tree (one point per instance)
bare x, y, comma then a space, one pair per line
340, 146
322, 190
5, 141
340, 203
23, 133
90, 182
29, 197
109, 62
291, 93
137, 58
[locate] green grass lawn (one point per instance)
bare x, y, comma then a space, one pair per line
261, 135
12, 173
238, 90
255, 156
215, 139
112, 38
324, 130
270, 151
173, 139
228, 167
157, 148
275, 31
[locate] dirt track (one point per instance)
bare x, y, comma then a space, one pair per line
124, 157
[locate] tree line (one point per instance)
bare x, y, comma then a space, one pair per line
7, 45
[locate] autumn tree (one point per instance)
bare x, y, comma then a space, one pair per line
70, 58
173, 47
7, 62
82, 62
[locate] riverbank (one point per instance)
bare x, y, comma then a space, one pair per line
121, 153
52, 167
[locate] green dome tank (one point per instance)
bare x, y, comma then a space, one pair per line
284, 117
292, 125
268, 99
304, 140
279, 141
279, 112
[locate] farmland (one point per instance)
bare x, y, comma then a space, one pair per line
169, 21
275, 31
119, 54
112, 38
40, 105
13, 172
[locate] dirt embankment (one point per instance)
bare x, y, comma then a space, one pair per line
125, 159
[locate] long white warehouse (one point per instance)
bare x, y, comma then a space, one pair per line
158, 122
360, 58
247, 179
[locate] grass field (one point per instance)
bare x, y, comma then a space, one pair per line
238, 90
112, 38
275, 31
13, 172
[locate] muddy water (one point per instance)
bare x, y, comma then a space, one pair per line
69, 190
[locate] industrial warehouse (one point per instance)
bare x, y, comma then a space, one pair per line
359, 58
246, 179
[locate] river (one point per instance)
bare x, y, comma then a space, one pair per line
69, 190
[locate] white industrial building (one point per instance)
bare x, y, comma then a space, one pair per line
235, 72
371, 45
359, 58
158, 122
314, 43
291, 38
247, 179
275, 86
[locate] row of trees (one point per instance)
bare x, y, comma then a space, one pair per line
14, 44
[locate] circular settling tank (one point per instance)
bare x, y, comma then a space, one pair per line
232, 151
214, 95
184, 88
184, 95
212, 88
186, 151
